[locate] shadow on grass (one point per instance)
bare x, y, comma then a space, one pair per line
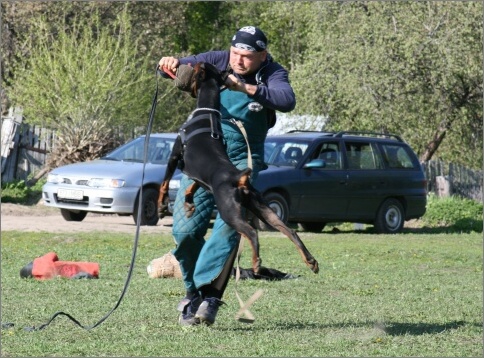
454, 229
417, 329
467, 226
390, 328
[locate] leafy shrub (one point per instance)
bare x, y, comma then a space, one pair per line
457, 213
19, 192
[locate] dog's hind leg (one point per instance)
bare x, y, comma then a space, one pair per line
233, 215
244, 180
259, 208
253, 238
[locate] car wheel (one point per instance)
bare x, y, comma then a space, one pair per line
279, 205
70, 215
149, 208
390, 217
312, 226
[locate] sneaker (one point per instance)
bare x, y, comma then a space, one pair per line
208, 309
188, 308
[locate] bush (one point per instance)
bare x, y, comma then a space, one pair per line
457, 213
18, 192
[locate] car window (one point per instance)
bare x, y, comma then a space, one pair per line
159, 150
396, 156
362, 155
330, 153
284, 153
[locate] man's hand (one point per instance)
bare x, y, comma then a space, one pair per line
234, 84
170, 63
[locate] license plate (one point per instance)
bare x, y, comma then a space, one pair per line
70, 194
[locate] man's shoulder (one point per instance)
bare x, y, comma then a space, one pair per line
273, 69
274, 64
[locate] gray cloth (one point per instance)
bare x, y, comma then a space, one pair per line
183, 78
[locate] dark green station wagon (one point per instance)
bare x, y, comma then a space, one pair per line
315, 178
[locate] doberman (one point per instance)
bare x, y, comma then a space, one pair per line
200, 149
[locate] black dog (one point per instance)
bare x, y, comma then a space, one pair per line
200, 149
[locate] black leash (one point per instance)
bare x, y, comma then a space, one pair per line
136, 239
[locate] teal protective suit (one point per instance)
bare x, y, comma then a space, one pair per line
201, 261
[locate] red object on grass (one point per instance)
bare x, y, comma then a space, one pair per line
49, 266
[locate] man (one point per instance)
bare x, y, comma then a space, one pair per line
258, 87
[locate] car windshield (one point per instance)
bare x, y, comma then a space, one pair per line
284, 151
159, 150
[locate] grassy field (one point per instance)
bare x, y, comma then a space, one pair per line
412, 294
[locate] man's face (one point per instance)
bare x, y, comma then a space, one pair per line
245, 62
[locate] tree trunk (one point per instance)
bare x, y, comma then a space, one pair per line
434, 144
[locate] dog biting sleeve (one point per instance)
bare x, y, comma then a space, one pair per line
183, 78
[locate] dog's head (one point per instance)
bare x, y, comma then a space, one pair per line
204, 71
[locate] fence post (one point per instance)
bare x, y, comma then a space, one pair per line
10, 135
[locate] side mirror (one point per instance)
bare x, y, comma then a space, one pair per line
315, 163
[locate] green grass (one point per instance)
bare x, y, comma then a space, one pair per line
376, 295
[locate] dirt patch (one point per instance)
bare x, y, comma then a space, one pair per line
38, 218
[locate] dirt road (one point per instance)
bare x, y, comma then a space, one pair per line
39, 218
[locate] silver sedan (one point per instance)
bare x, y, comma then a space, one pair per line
112, 183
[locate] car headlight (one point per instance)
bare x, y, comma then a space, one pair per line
106, 183
174, 184
53, 178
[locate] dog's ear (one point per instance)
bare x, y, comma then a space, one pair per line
220, 76
197, 78
203, 72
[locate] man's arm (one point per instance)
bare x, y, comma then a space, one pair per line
275, 93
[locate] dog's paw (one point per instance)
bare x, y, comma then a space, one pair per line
189, 209
162, 211
256, 266
313, 265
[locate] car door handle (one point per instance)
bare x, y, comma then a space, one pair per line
345, 181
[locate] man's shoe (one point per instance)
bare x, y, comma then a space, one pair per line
188, 308
208, 309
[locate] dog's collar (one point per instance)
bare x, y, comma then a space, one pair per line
204, 109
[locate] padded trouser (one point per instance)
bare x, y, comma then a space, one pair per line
200, 261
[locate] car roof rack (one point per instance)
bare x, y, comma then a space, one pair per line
375, 134
303, 131
323, 133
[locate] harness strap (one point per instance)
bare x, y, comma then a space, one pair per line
244, 315
244, 133
214, 129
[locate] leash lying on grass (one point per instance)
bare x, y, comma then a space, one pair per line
136, 239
